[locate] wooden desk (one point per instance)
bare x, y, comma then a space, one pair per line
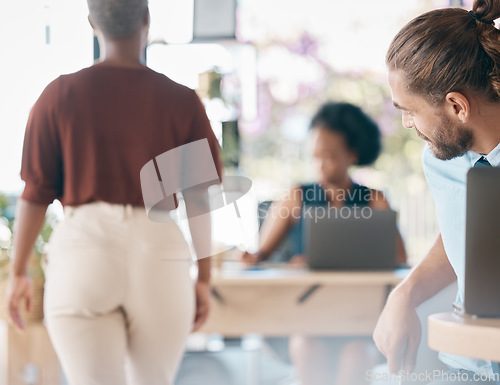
276, 302
464, 335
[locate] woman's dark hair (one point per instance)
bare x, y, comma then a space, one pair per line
450, 50
117, 19
361, 132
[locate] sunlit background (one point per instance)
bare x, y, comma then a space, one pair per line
288, 57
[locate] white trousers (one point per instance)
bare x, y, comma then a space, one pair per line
119, 301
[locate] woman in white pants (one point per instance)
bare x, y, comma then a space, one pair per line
119, 301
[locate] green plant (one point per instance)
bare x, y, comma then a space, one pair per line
6, 238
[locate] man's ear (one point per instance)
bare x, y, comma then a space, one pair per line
457, 105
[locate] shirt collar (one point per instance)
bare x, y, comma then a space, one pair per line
493, 157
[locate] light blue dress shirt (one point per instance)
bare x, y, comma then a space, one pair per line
447, 183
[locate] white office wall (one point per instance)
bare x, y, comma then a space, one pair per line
28, 63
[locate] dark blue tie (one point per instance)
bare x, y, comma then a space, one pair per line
482, 162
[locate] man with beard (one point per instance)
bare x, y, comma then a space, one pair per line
444, 73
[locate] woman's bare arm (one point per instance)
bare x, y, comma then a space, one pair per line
28, 222
280, 218
27, 225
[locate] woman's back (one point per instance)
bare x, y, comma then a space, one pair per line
104, 123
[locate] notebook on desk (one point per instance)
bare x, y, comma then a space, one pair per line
482, 245
353, 239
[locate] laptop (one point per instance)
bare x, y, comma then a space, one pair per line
482, 243
353, 239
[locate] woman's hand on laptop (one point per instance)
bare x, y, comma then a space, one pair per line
250, 258
298, 260
398, 332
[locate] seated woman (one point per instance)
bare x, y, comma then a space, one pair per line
342, 136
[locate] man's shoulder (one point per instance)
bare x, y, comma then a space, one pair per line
154, 82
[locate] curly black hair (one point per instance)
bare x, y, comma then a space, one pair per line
361, 132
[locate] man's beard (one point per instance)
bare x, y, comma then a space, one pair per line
449, 141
